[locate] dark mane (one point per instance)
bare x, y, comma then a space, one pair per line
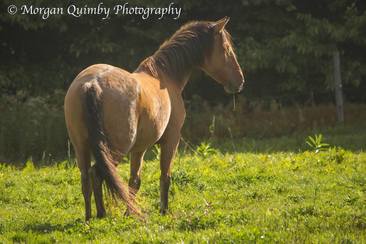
185, 50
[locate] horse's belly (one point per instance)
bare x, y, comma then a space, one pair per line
148, 134
152, 122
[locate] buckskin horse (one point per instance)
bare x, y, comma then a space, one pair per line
110, 112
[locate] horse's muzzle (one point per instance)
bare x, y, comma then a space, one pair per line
234, 89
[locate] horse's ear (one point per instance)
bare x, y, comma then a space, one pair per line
220, 24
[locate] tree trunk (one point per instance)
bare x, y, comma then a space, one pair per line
338, 86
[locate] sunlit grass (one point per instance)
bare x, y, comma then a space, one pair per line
215, 196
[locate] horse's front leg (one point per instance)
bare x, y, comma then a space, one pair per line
168, 149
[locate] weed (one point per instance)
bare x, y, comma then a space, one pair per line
205, 149
316, 143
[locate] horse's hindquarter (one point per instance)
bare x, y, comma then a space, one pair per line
136, 107
119, 104
155, 109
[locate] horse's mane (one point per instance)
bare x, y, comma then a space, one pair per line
184, 50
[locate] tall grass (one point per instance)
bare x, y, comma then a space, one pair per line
262, 120
35, 128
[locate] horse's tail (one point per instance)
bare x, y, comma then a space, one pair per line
105, 165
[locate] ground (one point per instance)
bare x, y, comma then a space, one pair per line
229, 194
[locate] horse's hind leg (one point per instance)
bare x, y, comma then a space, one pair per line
135, 174
83, 160
98, 192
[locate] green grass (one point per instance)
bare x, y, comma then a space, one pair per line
231, 197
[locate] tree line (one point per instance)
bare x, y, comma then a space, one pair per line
286, 47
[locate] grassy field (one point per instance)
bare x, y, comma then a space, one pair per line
271, 190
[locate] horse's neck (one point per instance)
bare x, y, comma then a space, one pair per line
178, 84
149, 67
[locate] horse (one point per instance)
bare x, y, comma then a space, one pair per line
111, 112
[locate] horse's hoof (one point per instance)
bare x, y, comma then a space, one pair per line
101, 215
87, 218
163, 211
127, 213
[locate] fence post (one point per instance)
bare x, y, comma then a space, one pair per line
338, 86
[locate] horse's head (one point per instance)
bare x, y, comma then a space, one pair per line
221, 63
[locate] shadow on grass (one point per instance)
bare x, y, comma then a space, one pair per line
51, 227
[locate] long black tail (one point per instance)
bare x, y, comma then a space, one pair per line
105, 165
